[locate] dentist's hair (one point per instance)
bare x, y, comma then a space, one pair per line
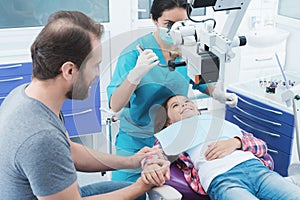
159, 6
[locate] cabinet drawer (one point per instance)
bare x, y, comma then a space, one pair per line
270, 124
277, 140
263, 111
7, 83
93, 100
16, 69
81, 122
281, 162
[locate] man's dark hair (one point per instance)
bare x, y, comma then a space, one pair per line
66, 37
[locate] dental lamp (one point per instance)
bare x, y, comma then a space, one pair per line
205, 51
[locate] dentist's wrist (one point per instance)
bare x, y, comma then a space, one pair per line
133, 77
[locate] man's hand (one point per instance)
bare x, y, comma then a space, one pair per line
136, 159
145, 186
156, 172
222, 148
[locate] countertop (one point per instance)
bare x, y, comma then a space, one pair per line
255, 89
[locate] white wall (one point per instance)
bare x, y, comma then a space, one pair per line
293, 44
120, 16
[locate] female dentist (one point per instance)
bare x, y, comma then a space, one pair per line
139, 84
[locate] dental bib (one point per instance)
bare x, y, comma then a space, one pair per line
188, 133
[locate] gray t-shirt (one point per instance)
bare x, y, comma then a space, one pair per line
35, 156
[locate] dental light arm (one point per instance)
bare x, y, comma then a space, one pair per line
204, 50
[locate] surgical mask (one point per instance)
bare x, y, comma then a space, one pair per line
165, 36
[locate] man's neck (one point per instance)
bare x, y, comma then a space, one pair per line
48, 93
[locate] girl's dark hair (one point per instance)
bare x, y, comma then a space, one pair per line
159, 6
66, 37
165, 104
162, 118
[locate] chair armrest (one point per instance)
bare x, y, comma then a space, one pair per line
268, 158
178, 182
164, 192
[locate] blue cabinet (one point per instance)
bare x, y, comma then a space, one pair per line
12, 75
274, 126
81, 117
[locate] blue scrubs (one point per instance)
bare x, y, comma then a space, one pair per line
137, 120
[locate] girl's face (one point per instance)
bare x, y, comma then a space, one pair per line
179, 108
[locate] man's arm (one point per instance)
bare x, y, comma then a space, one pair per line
89, 160
128, 193
156, 168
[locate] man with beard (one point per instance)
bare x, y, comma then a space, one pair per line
38, 160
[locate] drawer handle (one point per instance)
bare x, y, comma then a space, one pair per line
263, 59
78, 113
11, 66
261, 119
272, 151
266, 109
11, 79
248, 125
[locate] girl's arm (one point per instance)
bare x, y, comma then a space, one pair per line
250, 143
156, 168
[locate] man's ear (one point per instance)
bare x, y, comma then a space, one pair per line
68, 70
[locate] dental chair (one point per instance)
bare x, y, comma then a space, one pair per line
177, 188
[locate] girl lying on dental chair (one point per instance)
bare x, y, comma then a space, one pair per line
231, 167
